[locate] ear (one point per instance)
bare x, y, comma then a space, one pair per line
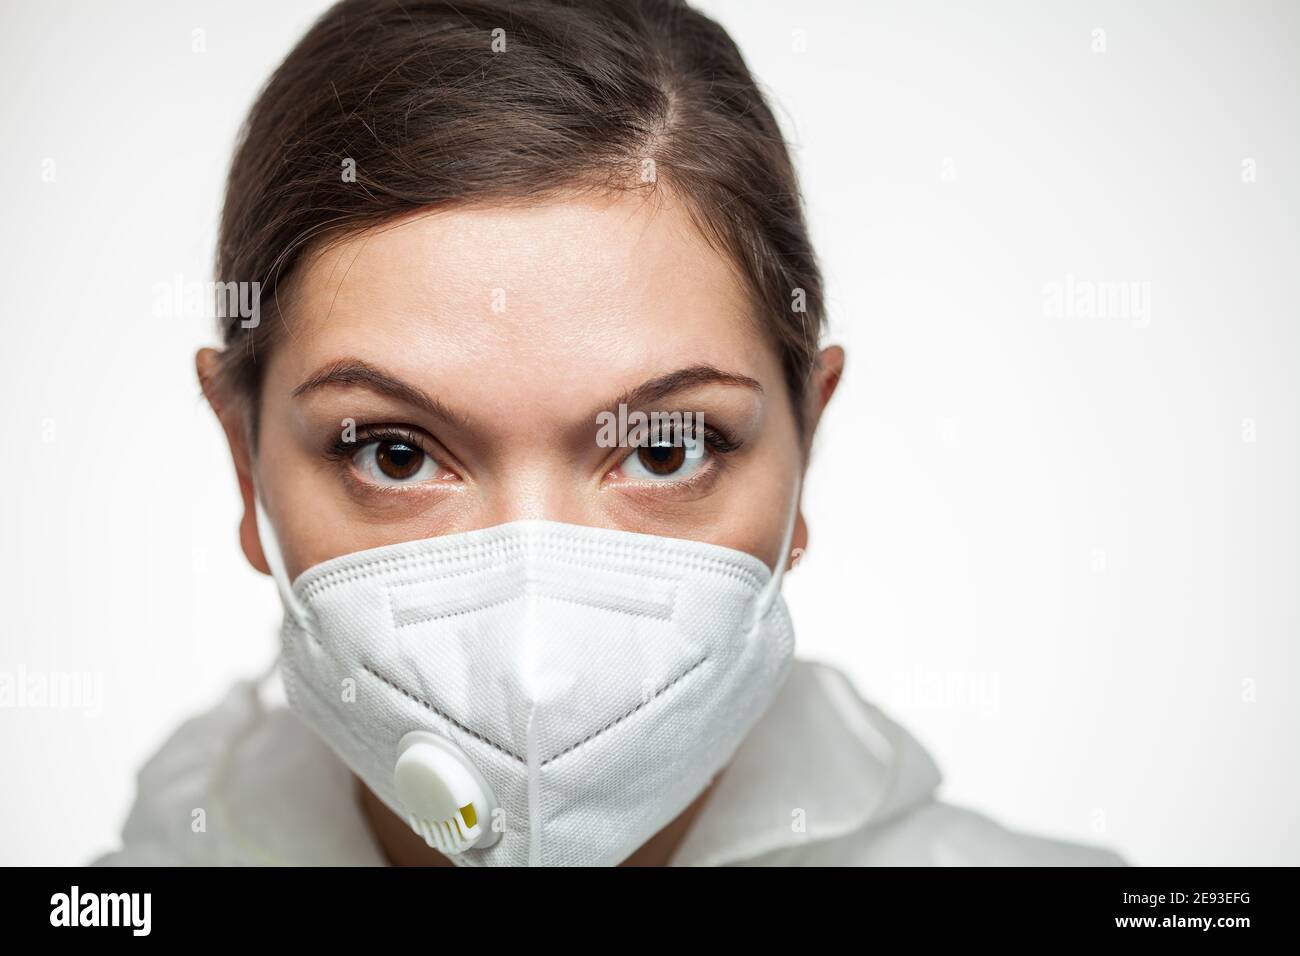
826, 375
228, 411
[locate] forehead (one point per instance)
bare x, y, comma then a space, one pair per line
570, 297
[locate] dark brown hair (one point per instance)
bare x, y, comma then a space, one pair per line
441, 102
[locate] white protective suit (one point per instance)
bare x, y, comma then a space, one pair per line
824, 778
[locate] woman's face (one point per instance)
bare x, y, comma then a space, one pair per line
447, 373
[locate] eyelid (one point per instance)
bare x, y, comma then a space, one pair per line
369, 434
714, 440
340, 449
717, 444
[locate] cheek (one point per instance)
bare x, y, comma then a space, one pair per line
778, 469
301, 498
760, 510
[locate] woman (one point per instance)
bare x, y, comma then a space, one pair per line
520, 429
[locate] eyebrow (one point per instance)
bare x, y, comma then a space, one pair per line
354, 373
647, 393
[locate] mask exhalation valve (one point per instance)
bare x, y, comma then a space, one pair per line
446, 799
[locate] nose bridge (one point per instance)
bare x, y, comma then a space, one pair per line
543, 490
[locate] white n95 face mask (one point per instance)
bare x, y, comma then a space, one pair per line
535, 692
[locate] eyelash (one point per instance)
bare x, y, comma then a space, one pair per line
718, 442
340, 449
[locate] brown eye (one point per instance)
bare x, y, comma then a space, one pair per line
398, 460
394, 460
662, 460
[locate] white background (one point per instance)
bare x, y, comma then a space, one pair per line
1045, 544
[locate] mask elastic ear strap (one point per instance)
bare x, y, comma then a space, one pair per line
773, 586
274, 559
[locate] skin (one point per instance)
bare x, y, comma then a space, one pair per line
602, 294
